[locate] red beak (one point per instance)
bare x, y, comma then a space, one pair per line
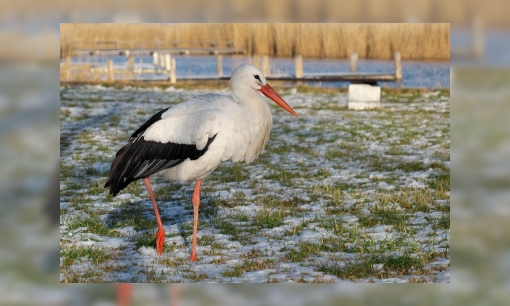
269, 92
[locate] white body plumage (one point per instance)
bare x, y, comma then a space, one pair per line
242, 131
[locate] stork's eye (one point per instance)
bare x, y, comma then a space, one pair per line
258, 78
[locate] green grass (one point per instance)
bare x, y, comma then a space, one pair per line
237, 200
165, 192
196, 276
303, 252
66, 171
82, 117
387, 180
94, 226
237, 232
249, 266
364, 268
289, 177
411, 166
71, 254
385, 216
133, 216
232, 172
336, 154
411, 200
145, 239
335, 226
392, 162
330, 107
440, 182
282, 207
92, 171
443, 222
115, 120
268, 219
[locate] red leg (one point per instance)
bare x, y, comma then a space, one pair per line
196, 203
160, 234
123, 294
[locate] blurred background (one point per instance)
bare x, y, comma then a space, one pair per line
29, 136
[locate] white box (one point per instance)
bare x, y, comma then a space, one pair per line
364, 96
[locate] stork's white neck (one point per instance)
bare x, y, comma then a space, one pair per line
257, 119
252, 100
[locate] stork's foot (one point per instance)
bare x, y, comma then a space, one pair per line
160, 241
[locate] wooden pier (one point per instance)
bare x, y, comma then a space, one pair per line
164, 66
365, 78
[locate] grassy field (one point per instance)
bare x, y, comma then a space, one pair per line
312, 40
338, 195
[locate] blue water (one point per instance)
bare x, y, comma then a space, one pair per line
415, 74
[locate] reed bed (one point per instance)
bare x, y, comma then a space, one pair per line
312, 40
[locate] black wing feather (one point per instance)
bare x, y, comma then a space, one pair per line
141, 158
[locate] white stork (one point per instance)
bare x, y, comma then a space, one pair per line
187, 141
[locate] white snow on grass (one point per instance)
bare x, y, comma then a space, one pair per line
337, 196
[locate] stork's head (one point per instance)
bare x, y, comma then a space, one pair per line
248, 77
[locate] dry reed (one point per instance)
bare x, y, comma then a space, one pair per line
312, 40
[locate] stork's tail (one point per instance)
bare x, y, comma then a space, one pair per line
115, 180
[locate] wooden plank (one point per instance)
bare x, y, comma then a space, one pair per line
361, 78
173, 75
155, 58
68, 68
111, 73
298, 66
168, 64
398, 66
354, 61
131, 65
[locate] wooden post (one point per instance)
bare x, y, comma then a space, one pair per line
131, 65
265, 65
140, 62
168, 64
111, 75
220, 65
398, 66
354, 61
68, 68
298, 66
155, 58
173, 77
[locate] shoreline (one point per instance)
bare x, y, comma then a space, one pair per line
222, 84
